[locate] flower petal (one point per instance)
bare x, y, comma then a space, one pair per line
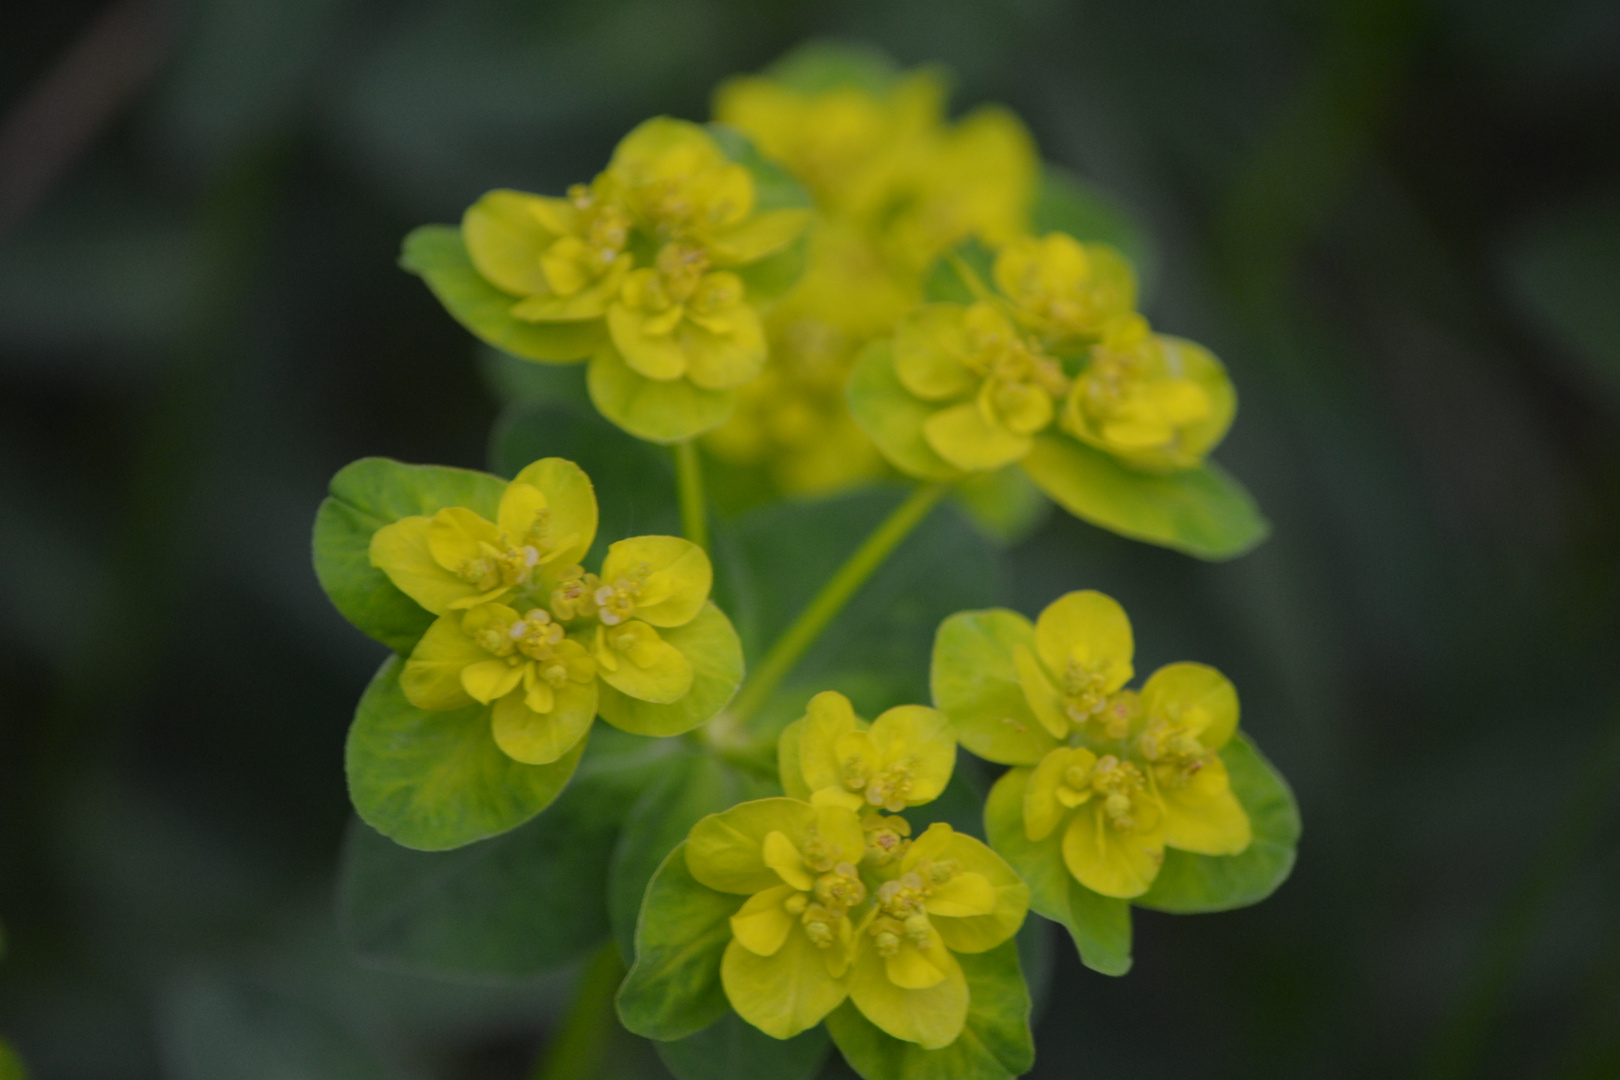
762, 924
571, 501
677, 571
782, 994
962, 436
828, 717
929, 347
780, 855
506, 236
401, 551
641, 664
537, 738
757, 237
725, 851
1039, 691
931, 1017
1196, 697
1114, 862
721, 360
432, 676
650, 354
1091, 629
1203, 816
491, 678
923, 735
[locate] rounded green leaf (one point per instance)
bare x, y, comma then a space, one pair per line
974, 682
995, 1043
891, 417
436, 780
1190, 883
711, 644
437, 254
1202, 511
661, 412
733, 1049
673, 990
1100, 925
365, 496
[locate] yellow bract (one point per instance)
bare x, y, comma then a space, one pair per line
523, 628
902, 759
1113, 775
827, 917
1063, 290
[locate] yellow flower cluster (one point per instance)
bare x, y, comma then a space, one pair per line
651, 249
895, 184
842, 902
523, 628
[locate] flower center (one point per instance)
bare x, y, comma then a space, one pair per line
1118, 782
1172, 751
887, 838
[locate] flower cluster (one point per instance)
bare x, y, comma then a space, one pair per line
523, 628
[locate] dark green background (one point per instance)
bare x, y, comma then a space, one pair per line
1397, 222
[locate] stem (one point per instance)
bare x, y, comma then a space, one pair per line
577, 1050
689, 483
833, 596
1462, 1042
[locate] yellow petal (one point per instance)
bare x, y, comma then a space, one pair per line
1196, 697
571, 501
457, 536
648, 353
926, 738
837, 796
762, 925
929, 347
962, 436
910, 968
1042, 809
780, 855
1203, 816
719, 360
505, 239
725, 851
965, 895
490, 679
1043, 697
537, 738
1115, 862
432, 676
401, 551
642, 664
782, 994
1091, 629
762, 234
1008, 904
676, 570
828, 716
931, 1017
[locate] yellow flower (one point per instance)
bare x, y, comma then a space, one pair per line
523, 627
1156, 402
678, 318
1063, 290
952, 894
993, 386
904, 758
1117, 775
785, 968
566, 258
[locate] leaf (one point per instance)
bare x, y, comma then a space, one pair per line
733, 1049
876, 651
436, 780
711, 644
673, 989
961, 276
661, 412
1203, 512
437, 254
365, 496
1065, 203
995, 1044
634, 483
511, 906
1005, 503
1099, 925
1190, 883
891, 417
695, 786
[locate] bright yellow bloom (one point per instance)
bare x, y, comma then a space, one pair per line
904, 758
566, 258
1117, 775
523, 627
1063, 290
678, 318
1157, 402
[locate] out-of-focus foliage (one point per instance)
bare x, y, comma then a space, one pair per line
1386, 219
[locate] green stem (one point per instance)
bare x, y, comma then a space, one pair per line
689, 483
831, 600
577, 1050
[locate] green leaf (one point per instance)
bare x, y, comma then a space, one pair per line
733, 1049
995, 1044
712, 645
634, 483
1190, 883
673, 990
891, 417
1065, 203
961, 276
1099, 925
513, 905
437, 254
876, 651
661, 412
365, 496
436, 780
1203, 512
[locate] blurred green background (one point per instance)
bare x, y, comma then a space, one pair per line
1398, 223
